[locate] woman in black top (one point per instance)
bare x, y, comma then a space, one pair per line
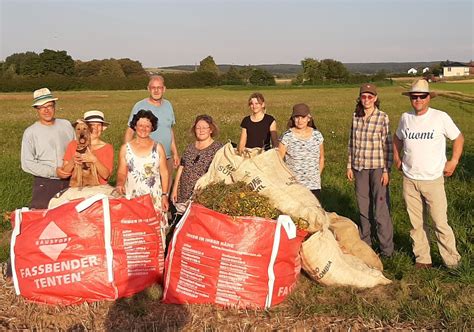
259, 128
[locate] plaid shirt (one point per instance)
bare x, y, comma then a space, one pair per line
370, 142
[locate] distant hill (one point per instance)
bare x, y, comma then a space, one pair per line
293, 69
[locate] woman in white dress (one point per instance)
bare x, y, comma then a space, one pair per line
142, 163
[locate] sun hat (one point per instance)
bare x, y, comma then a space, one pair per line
42, 96
420, 86
300, 110
368, 88
95, 116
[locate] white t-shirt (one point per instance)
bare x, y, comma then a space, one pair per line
424, 143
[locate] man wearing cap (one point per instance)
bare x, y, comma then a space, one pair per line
42, 149
421, 135
163, 110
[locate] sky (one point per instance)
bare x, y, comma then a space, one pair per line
165, 33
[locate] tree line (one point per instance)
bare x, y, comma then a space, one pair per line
59, 71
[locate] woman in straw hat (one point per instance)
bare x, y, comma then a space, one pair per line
100, 152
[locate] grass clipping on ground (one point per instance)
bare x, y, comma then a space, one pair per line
239, 200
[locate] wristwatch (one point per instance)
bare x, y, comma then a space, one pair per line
164, 194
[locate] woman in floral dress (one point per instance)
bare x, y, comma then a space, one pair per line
142, 163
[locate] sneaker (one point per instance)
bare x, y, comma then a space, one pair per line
423, 266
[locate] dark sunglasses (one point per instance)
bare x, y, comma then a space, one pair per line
196, 159
423, 96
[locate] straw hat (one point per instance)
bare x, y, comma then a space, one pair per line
95, 116
420, 86
42, 96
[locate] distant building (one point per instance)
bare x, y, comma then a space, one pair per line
471, 68
412, 71
451, 69
426, 69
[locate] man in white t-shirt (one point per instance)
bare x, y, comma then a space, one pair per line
421, 135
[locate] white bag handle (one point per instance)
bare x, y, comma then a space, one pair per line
290, 229
109, 254
15, 233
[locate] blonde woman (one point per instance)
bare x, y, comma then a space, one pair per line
258, 129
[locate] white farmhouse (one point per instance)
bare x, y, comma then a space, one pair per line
426, 69
451, 69
412, 71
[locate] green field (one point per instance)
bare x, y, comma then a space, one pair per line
438, 298
463, 87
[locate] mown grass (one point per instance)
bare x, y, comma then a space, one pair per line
438, 298
463, 87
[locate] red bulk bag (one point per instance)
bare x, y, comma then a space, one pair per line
231, 261
87, 250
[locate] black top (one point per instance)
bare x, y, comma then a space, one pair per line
258, 133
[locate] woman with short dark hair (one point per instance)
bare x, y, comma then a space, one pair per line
142, 163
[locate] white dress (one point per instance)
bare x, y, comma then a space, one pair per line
143, 175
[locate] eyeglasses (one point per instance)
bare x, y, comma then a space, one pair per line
43, 108
369, 97
157, 87
202, 128
415, 97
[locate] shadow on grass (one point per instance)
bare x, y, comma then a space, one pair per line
145, 312
333, 200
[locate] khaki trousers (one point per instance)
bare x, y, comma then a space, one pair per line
417, 193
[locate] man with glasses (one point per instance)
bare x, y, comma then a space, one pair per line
421, 135
163, 110
42, 149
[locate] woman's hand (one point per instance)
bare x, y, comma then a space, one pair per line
62, 174
77, 158
174, 195
350, 174
89, 157
120, 189
164, 203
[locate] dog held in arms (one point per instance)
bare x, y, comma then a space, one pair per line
84, 174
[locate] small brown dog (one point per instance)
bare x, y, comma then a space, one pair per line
84, 174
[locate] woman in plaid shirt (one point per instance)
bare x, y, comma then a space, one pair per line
370, 158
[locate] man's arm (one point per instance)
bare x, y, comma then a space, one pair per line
450, 165
129, 132
397, 148
128, 135
31, 164
174, 150
387, 146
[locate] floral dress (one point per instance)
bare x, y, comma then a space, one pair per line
143, 175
